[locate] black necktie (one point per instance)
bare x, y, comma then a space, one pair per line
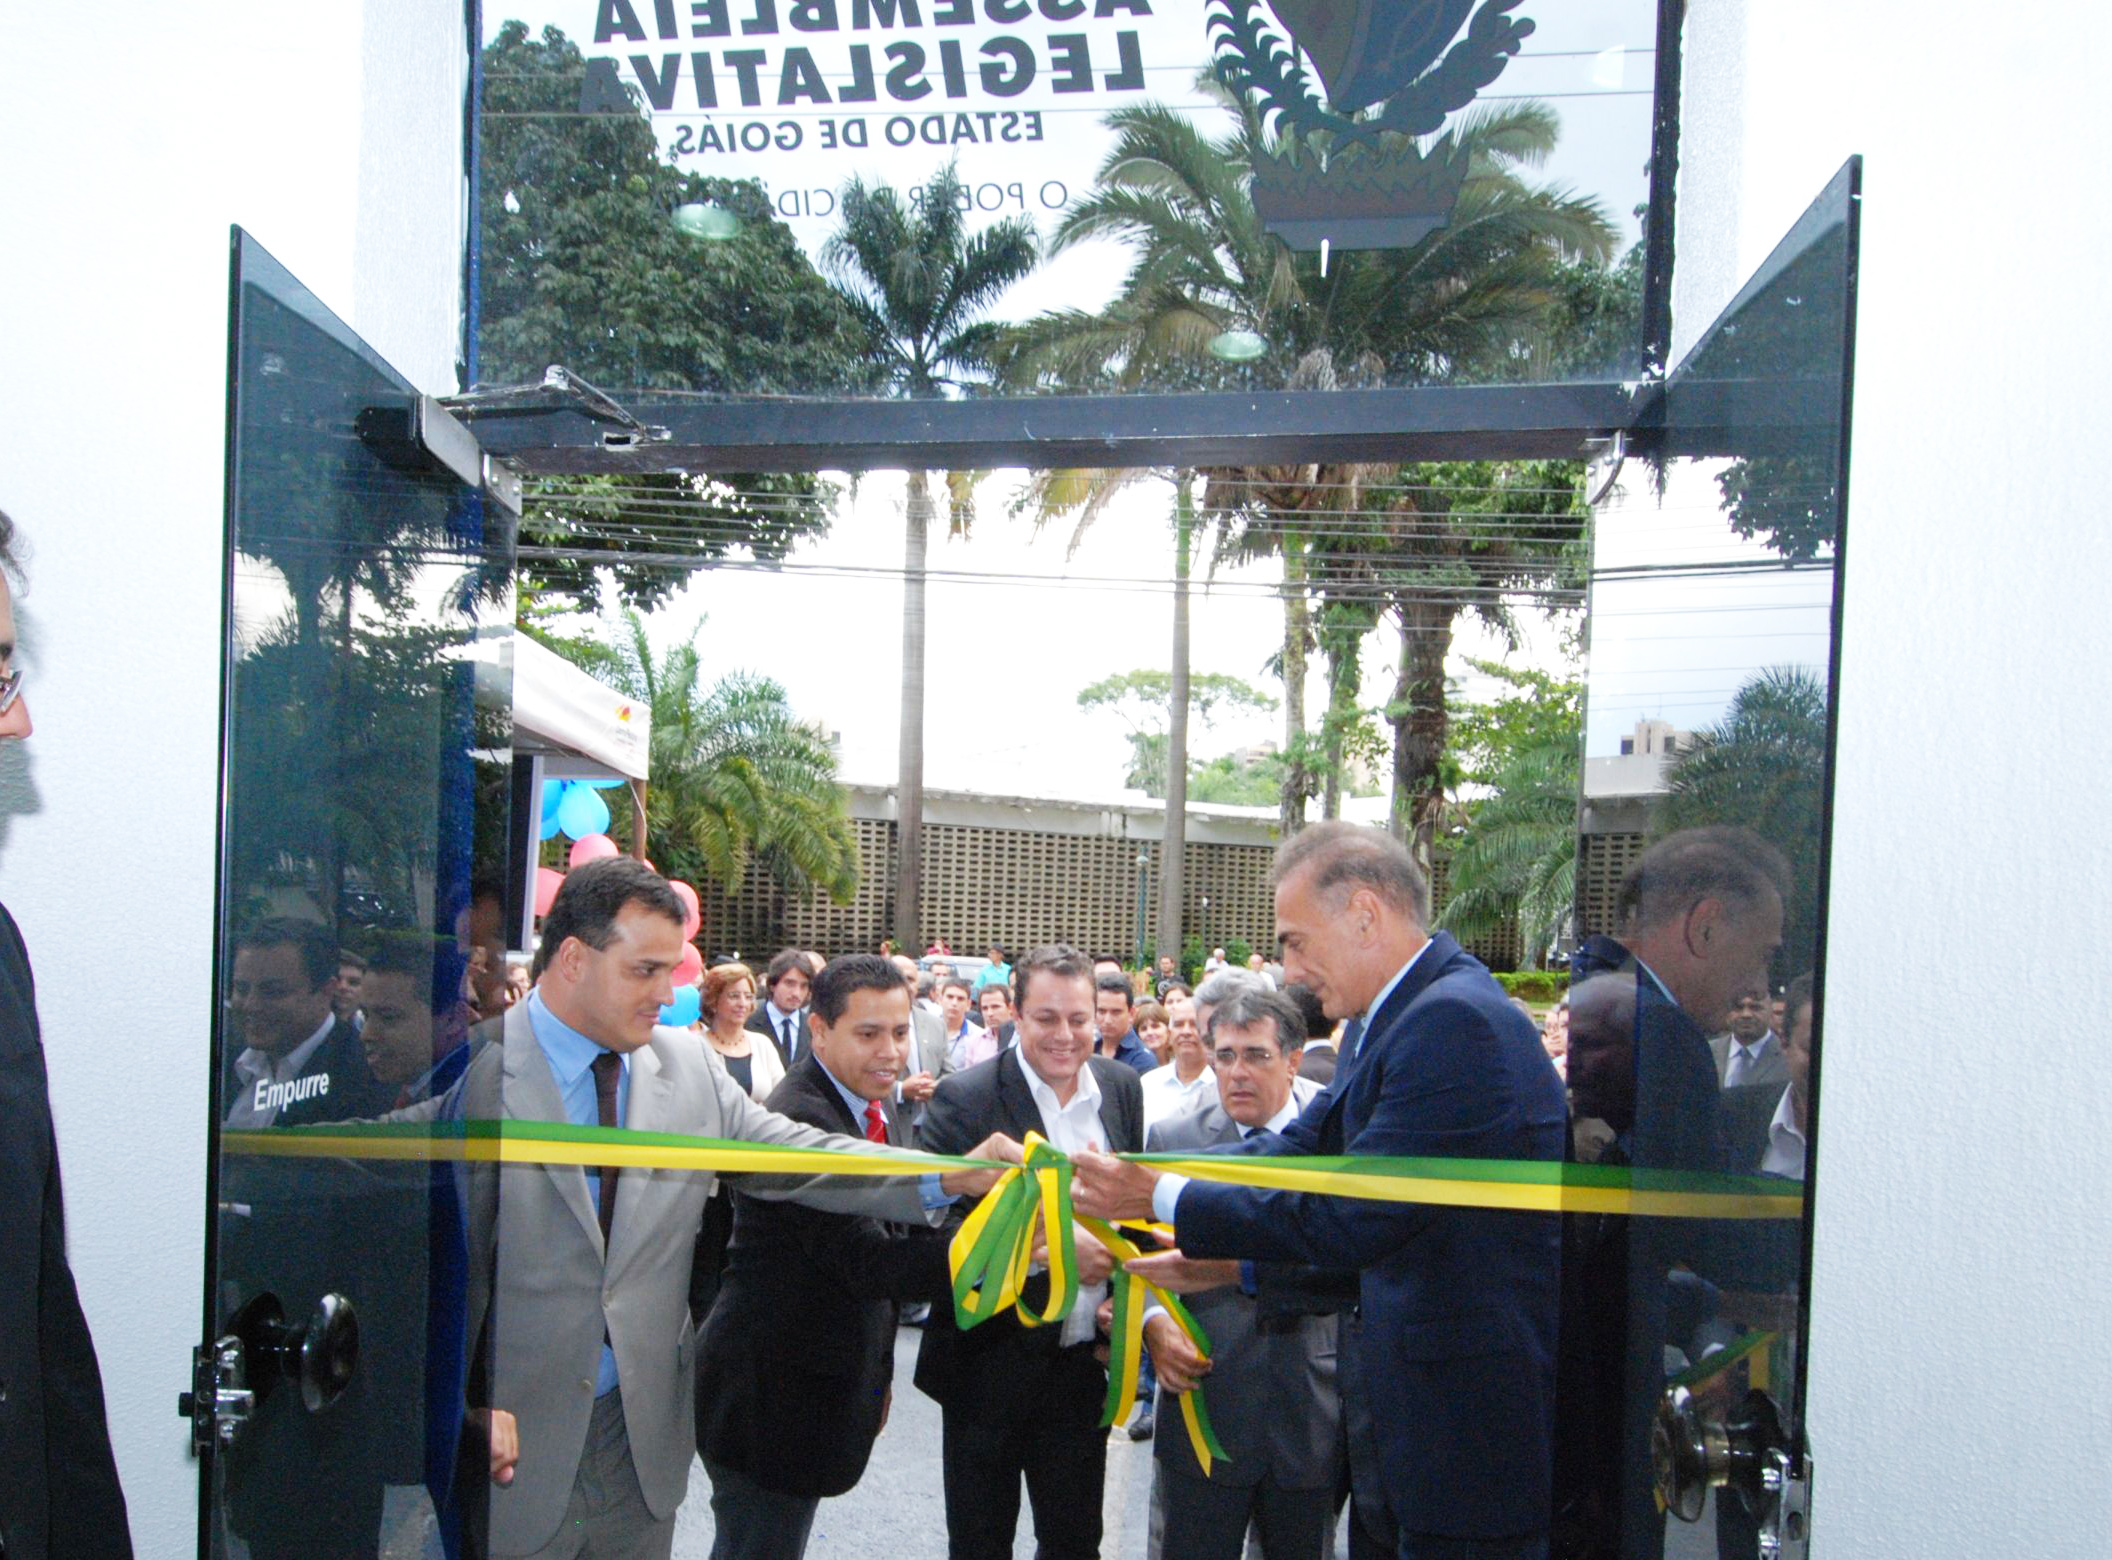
791, 1022
608, 1069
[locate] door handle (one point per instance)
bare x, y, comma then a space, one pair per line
233, 1376
1693, 1452
320, 1354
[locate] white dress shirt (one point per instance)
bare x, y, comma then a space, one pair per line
1072, 1128
1166, 1097
785, 1026
1785, 1144
253, 1067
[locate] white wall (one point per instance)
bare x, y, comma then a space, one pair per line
332, 133
1961, 1397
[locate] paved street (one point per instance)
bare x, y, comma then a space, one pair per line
898, 1512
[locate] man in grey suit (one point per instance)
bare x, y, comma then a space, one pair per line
1272, 1327
1749, 1053
928, 1059
579, 1280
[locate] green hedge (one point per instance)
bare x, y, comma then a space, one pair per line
1534, 985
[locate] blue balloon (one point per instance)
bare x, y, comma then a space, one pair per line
582, 813
549, 826
683, 1011
553, 793
601, 785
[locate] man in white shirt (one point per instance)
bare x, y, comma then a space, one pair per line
1786, 1144
1024, 1402
300, 1062
1188, 1083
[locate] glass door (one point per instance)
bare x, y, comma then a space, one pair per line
1696, 1005
365, 780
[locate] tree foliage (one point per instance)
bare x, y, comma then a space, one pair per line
920, 283
580, 264
1142, 699
1514, 860
735, 773
1486, 296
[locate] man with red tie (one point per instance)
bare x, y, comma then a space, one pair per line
796, 1361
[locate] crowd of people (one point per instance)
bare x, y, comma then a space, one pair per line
552, 1346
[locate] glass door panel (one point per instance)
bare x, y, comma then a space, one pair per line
364, 762
1701, 870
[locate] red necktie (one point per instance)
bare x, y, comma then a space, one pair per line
875, 1123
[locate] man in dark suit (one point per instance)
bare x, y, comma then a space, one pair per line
299, 1061
1271, 1391
62, 1497
1017, 1400
782, 1016
1700, 918
795, 1366
1448, 1376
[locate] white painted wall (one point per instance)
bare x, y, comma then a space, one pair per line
1961, 1397
332, 132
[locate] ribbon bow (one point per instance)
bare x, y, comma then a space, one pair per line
1029, 1209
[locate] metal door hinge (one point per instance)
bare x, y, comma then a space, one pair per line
220, 1400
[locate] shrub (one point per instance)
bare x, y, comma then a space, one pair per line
1534, 985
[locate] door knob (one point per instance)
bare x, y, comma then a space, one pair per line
1692, 1452
321, 1354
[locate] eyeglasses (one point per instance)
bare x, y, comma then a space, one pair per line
10, 690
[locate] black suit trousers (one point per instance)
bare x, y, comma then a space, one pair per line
1064, 1465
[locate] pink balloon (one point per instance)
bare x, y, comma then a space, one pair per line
547, 883
692, 912
691, 968
592, 847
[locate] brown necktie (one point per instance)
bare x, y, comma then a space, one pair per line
608, 1070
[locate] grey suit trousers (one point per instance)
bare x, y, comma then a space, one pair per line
606, 1517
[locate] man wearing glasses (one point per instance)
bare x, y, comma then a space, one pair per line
1272, 1326
54, 1440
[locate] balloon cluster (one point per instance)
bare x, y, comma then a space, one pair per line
575, 809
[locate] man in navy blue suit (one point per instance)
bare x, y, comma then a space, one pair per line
1448, 1372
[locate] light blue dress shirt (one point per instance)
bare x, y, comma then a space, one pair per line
935, 1196
571, 1058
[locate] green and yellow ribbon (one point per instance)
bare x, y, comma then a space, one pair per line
994, 1250
1132, 1295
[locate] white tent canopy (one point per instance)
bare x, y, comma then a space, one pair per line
580, 728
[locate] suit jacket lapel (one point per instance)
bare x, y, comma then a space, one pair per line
1016, 1100
530, 1094
650, 1108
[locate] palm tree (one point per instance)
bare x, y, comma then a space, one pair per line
1517, 861
1085, 493
919, 282
735, 774
1204, 270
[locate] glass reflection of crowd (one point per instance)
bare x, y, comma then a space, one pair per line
1674, 1053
